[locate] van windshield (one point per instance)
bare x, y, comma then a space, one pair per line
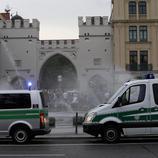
44, 99
116, 94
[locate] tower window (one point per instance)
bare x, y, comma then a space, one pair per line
144, 60
143, 33
132, 7
101, 20
133, 57
50, 42
65, 41
133, 61
97, 61
92, 21
18, 63
42, 42
57, 42
144, 57
132, 33
72, 41
142, 8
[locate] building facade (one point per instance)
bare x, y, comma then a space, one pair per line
135, 38
105, 55
95, 53
83, 64
19, 49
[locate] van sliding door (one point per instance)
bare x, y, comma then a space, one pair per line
134, 110
154, 108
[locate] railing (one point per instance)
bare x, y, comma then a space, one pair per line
139, 67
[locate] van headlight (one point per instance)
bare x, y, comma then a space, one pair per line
89, 117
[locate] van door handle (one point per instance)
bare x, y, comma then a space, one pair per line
155, 108
142, 109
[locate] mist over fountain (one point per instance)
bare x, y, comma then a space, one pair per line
60, 80
16, 81
63, 104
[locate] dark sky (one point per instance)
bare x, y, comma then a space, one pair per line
58, 18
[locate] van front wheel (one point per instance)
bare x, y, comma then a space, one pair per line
21, 136
111, 134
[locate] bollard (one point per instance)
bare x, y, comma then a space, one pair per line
76, 123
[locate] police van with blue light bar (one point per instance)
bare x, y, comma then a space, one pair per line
131, 111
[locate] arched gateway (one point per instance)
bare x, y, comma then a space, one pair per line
58, 72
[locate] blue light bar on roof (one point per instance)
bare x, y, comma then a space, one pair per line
149, 76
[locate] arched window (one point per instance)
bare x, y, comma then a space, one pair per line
132, 7
142, 7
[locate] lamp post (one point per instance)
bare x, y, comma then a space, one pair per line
29, 85
59, 79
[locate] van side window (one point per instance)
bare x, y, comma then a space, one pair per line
15, 101
134, 94
155, 91
44, 99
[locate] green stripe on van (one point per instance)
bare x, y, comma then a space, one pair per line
141, 115
20, 114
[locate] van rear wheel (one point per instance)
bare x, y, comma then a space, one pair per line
111, 134
21, 136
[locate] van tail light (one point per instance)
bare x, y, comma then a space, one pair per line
42, 122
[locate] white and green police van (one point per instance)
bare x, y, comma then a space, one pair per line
23, 114
131, 111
